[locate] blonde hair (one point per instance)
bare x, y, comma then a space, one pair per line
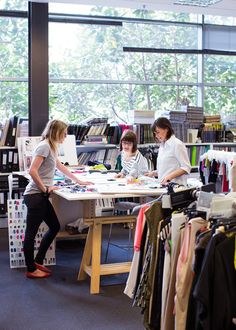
53, 132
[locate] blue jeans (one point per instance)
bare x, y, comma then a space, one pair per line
39, 209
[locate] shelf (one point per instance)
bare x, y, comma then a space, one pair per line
109, 269
223, 144
95, 145
198, 144
66, 235
6, 147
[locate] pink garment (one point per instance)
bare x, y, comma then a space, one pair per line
139, 227
184, 272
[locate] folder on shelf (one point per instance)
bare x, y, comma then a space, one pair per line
10, 160
4, 133
194, 156
11, 133
2, 208
15, 163
4, 160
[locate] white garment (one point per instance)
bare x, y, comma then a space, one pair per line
131, 281
166, 281
177, 219
173, 155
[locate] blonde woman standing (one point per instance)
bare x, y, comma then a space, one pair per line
36, 197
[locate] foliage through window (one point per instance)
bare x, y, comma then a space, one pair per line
91, 75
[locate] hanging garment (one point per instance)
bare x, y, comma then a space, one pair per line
215, 290
225, 181
184, 273
139, 227
166, 276
154, 321
144, 291
168, 316
224, 301
203, 291
132, 278
202, 240
142, 254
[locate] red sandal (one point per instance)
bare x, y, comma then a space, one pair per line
43, 268
36, 275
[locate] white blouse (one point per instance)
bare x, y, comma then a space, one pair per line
173, 155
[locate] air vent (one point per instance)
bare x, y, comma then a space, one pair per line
198, 3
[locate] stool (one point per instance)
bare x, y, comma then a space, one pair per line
127, 208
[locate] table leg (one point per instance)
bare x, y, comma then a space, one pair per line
96, 258
86, 259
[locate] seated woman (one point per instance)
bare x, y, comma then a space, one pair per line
133, 163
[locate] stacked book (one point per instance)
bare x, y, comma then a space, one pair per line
108, 156
212, 119
96, 134
180, 130
213, 132
178, 116
144, 133
141, 116
79, 131
195, 115
182, 121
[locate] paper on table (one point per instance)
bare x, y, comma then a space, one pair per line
112, 189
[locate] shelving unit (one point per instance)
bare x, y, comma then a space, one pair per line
104, 153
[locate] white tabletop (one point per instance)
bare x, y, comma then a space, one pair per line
107, 186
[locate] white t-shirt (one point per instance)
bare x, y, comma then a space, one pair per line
173, 155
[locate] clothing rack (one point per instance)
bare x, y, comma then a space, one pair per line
219, 156
226, 162
163, 280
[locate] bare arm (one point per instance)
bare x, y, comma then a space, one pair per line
151, 174
120, 175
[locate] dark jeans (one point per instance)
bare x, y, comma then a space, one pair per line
39, 209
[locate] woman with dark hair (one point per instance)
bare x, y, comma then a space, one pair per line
133, 162
172, 161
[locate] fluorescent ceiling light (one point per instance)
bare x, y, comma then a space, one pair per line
198, 3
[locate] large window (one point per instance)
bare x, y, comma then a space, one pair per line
92, 75
13, 5
14, 99
75, 102
220, 69
220, 100
13, 66
220, 20
123, 13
